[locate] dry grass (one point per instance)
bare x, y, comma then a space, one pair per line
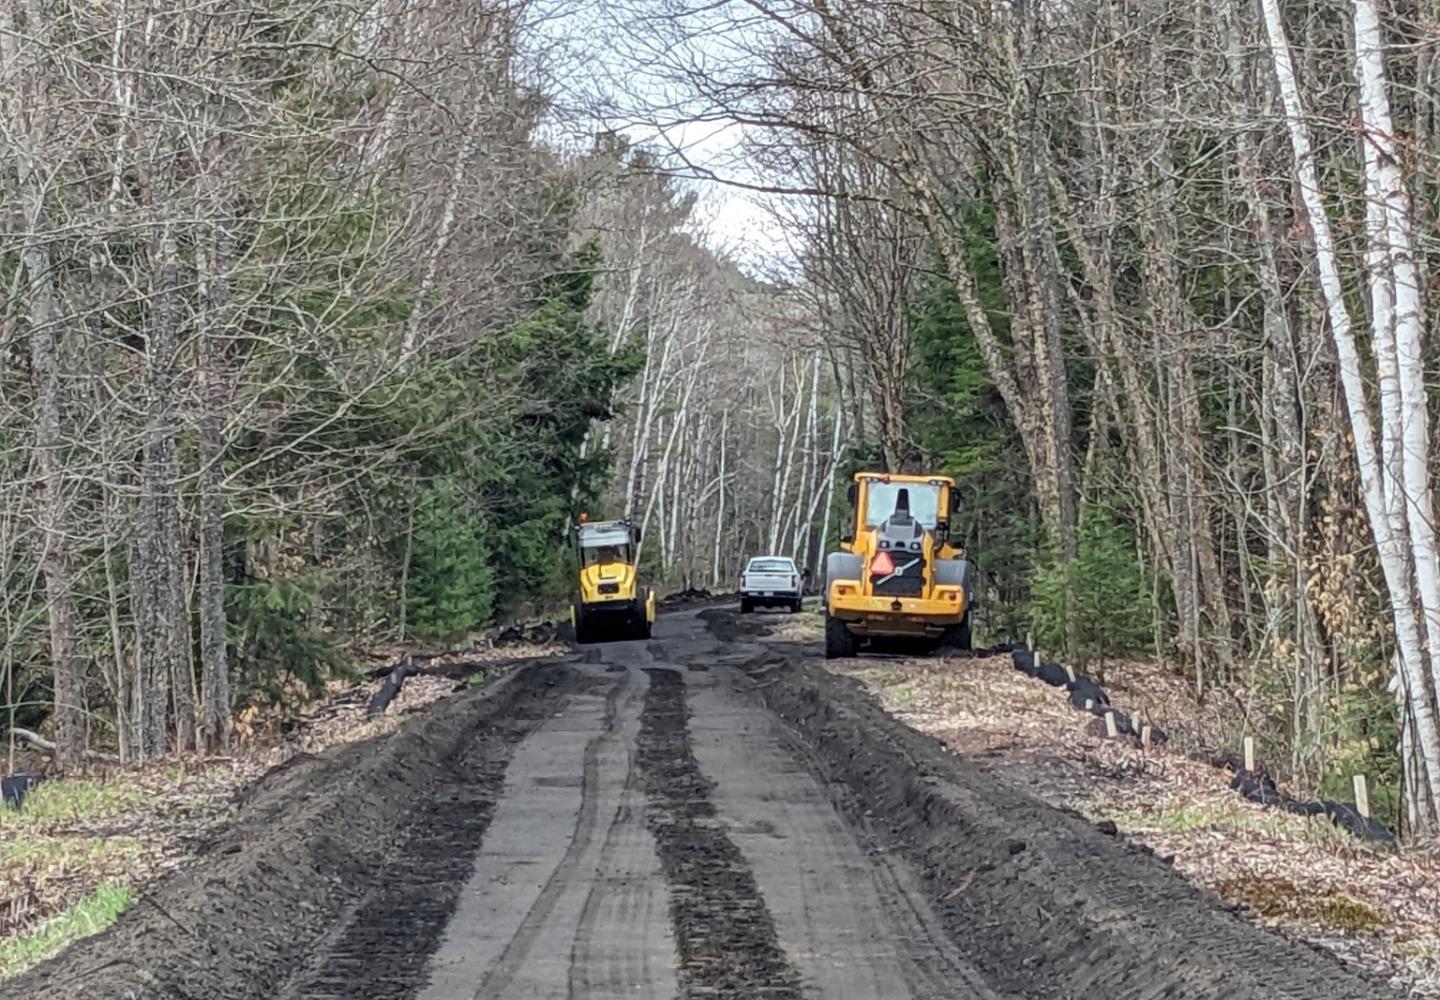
1374, 906
81, 849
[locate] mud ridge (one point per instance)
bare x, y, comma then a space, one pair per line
1037, 899
335, 877
723, 930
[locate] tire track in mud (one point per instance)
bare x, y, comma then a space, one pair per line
386, 938
724, 932
619, 893
498, 979
1036, 900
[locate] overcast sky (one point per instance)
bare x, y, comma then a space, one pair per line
601, 72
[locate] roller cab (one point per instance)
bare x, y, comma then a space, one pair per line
610, 603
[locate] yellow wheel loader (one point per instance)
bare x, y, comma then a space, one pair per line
610, 604
901, 574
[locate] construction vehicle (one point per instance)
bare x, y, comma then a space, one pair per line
901, 574
610, 604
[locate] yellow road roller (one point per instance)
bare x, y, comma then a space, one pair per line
610, 604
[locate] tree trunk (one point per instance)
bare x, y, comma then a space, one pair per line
214, 659
164, 633
1416, 668
715, 575
27, 118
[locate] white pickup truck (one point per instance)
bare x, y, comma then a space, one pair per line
770, 581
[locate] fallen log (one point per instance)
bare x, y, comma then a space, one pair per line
451, 671
389, 690
38, 742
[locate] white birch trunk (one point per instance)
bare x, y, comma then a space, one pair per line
468, 143
803, 499
720, 507
1391, 550
1386, 185
829, 499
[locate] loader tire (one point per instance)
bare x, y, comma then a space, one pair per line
958, 636
839, 640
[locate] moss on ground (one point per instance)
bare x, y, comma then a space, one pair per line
1320, 906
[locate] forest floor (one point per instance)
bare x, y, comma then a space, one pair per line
82, 849
1377, 907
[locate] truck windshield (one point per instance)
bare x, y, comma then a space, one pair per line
882, 499
770, 566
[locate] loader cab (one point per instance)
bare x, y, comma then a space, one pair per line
930, 504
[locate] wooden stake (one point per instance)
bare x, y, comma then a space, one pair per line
1111, 729
1145, 737
1250, 754
1030, 643
1362, 796
1089, 704
1070, 673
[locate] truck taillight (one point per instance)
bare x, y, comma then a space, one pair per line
793, 581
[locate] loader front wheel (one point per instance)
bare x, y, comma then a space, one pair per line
958, 636
839, 640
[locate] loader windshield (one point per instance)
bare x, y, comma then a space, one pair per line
883, 499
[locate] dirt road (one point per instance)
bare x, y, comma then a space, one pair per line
704, 815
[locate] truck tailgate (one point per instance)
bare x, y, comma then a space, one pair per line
773, 583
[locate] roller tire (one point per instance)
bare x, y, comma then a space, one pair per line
581, 629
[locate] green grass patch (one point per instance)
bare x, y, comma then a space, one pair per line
896, 687
44, 852
66, 803
89, 916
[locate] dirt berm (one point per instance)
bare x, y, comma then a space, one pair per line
1041, 902
327, 858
